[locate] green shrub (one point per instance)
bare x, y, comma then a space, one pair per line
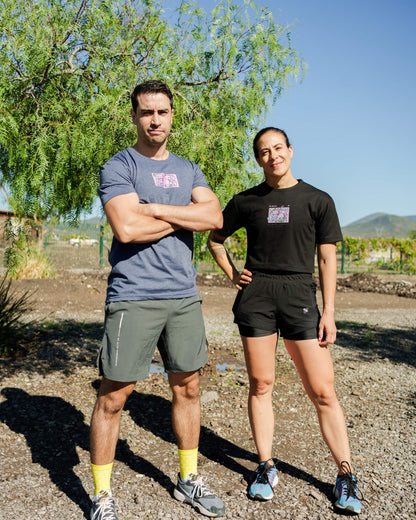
12, 309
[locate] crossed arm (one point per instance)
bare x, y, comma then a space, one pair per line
131, 221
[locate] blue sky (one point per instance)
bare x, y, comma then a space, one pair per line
352, 121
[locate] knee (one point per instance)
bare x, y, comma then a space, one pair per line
186, 392
324, 396
261, 387
112, 401
107, 406
191, 392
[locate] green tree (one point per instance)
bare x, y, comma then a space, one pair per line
66, 70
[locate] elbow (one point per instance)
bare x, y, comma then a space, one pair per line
123, 234
220, 221
217, 221
214, 221
122, 238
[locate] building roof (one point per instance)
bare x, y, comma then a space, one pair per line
6, 213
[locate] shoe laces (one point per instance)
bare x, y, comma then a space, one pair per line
200, 487
262, 474
350, 480
104, 508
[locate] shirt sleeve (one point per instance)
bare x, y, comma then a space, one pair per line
231, 219
328, 229
199, 178
115, 179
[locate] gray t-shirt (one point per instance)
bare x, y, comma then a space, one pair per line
155, 270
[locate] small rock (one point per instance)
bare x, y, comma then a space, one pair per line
208, 397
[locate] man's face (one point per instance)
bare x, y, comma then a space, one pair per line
153, 118
274, 155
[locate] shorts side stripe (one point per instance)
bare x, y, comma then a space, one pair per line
118, 337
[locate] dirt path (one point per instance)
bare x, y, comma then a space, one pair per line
47, 398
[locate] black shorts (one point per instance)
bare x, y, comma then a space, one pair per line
282, 303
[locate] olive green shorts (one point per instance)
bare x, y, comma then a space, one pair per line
133, 329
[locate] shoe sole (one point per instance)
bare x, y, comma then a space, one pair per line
349, 509
201, 509
260, 497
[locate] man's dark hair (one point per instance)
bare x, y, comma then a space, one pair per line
263, 131
153, 86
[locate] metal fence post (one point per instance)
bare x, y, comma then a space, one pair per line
101, 245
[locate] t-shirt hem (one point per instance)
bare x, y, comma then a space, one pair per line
330, 240
142, 297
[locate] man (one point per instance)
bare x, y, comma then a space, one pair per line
153, 200
286, 219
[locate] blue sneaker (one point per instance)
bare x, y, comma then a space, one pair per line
346, 491
266, 479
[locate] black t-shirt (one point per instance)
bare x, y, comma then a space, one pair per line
283, 225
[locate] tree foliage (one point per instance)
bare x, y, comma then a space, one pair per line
402, 252
67, 68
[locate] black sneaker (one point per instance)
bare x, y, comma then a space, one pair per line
195, 491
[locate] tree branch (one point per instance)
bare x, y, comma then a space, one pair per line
77, 17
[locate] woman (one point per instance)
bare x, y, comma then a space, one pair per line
286, 221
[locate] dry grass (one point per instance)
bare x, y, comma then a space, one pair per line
29, 263
34, 266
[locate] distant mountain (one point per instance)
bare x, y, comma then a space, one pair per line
375, 225
93, 221
381, 225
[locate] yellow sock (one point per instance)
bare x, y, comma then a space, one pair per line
188, 462
102, 476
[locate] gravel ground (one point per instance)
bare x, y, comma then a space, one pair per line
47, 397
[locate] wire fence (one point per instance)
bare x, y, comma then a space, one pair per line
92, 253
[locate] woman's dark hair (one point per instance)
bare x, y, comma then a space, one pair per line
153, 86
263, 131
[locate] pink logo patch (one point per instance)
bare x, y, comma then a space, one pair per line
165, 180
278, 215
